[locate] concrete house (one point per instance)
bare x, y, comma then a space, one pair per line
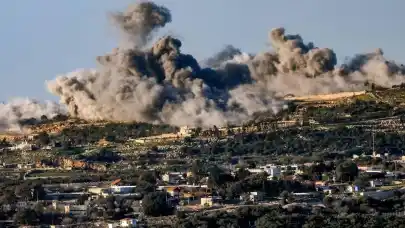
76, 210
173, 177
128, 222
256, 196
207, 201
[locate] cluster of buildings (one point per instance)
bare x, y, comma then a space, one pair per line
275, 171
190, 197
184, 131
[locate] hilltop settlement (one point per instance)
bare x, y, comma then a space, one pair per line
334, 160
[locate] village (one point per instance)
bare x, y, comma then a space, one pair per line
188, 190
100, 174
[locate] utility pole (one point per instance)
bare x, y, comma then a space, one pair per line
373, 141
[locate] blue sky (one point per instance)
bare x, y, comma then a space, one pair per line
43, 38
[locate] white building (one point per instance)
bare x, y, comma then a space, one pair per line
256, 171
376, 183
172, 177
122, 189
272, 171
185, 131
256, 196
128, 222
23, 146
293, 168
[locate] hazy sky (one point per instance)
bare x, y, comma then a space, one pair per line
43, 38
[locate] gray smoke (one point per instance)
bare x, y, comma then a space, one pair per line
17, 110
228, 53
300, 69
139, 21
157, 85
162, 85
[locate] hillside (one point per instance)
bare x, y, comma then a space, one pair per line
394, 96
329, 108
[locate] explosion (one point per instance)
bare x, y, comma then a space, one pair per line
159, 84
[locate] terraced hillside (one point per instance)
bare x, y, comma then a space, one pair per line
394, 95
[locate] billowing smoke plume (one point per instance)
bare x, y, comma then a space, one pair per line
159, 84
162, 85
300, 69
17, 110
139, 21
228, 53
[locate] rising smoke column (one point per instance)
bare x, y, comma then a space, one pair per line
157, 85
162, 85
139, 21
303, 69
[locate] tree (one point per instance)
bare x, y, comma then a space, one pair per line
362, 181
284, 196
82, 199
234, 190
315, 221
328, 201
43, 139
187, 139
145, 187
4, 143
184, 151
110, 138
271, 220
196, 168
148, 176
44, 118
155, 204
39, 208
23, 191
181, 214
197, 132
7, 197
60, 117
242, 173
216, 131
38, 192
30, 190
113, 207
218, 178
346, 171
26, 217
